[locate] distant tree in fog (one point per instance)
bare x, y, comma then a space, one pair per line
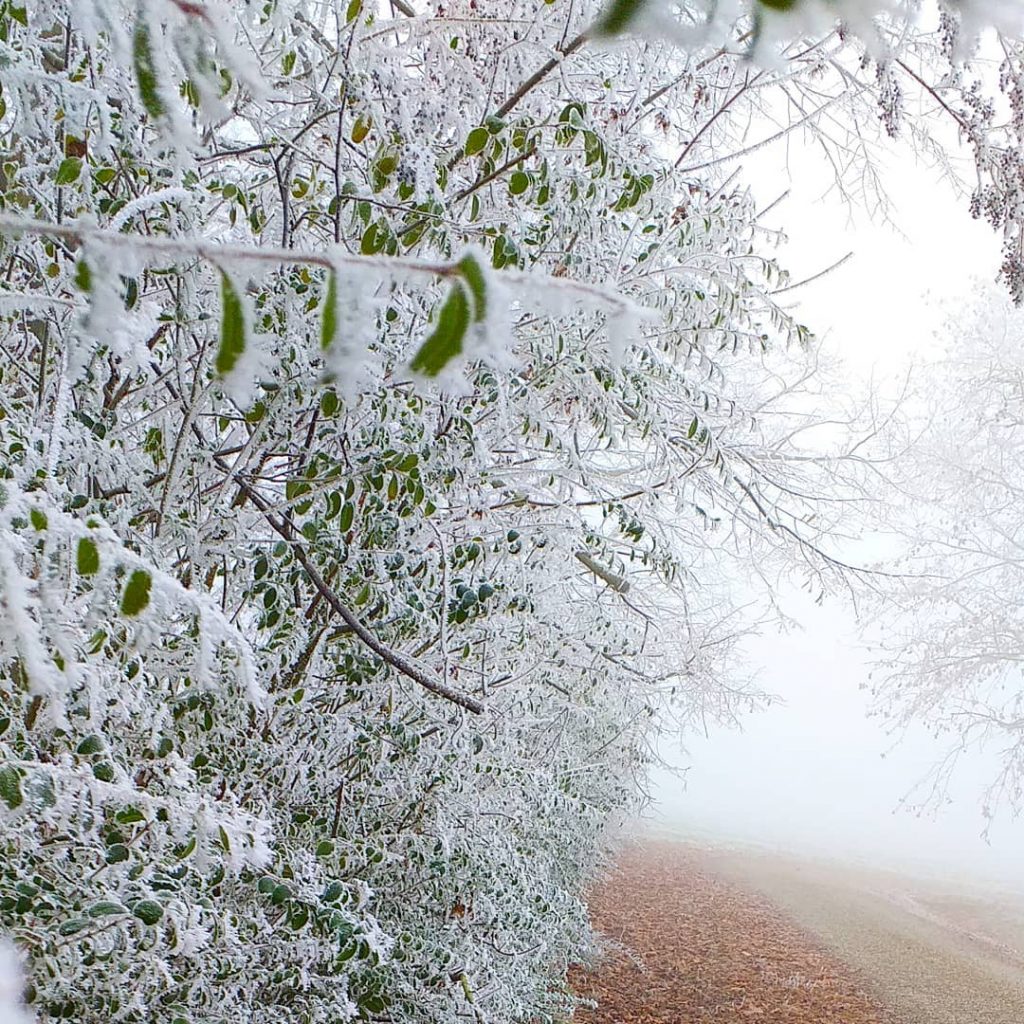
953, 623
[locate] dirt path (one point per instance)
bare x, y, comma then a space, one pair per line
936, 952
685, 946
733, 936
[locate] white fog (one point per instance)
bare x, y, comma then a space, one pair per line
814, 772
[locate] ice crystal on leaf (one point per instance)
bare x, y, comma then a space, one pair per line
12, 1009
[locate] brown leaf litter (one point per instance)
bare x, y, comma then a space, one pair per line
684, 947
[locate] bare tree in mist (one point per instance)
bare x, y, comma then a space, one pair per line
952, 621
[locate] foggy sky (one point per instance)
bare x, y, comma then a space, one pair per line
810, 772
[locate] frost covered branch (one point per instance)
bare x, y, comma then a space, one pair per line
395, 659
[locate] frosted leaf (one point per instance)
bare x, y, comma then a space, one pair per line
152, 200
776, 26
105, 323
20, 629
348, 361
622, 328
12, 1009
239, 355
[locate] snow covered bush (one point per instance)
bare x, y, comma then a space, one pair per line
385, 398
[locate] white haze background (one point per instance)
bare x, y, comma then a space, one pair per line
813, 772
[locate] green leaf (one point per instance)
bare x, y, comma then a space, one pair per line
145, 71
38, 519
348, 513
332, 891
68, 171
472, 273
10, 786
361, 129
617, 17
372, 241
519, 183
105, 908
92, 744
476, 140
693, 428
445, 341
232, 327
116, 854
353, 10
329, 403
87, 557
572, 115
148, 911
83, 276
136, 593
39, 790
329, 323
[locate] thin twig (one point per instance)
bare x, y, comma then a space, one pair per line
814, 277
539, 75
